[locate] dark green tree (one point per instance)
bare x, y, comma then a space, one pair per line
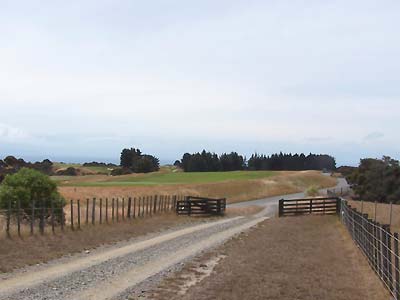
30, 187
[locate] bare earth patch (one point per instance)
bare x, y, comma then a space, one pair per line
288, 258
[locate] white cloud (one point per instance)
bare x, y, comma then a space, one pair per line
13, 134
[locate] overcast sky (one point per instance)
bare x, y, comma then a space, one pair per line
82, 79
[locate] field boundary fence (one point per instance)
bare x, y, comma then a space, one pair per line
339, 191
379, 245
76, 214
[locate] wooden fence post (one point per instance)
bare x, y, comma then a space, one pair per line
117, 199
151, 205
155, 205
52, 214
112, 209
42, 218
72, 214
33, 216
129, 207
139, 211
107, 210
8, 218
101, 211
62, 218
79, 214
280, 212
379, 248
93, 211
123, 208
385, 255
147, 205
134, 207
396, 266
19, 217
87, 211
389, 257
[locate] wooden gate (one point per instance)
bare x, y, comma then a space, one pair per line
324, 206
201, 206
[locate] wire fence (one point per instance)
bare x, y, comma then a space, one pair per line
378, 244
17, 220
339, 191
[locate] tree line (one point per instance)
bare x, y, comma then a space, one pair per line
376, 180
210, 162
134, 161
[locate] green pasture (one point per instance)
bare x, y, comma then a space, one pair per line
160, 178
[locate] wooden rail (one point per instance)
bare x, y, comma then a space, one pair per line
201, 206
306, 206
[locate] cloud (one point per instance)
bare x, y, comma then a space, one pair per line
12, 134
374, 136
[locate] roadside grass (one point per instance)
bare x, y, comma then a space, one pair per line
310, 257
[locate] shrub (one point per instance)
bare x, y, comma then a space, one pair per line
120, 171
30, 186
70, 171
312, 191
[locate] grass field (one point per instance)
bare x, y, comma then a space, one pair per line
162, 178
88, 169
235, 186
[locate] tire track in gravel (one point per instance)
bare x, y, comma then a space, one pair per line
118, 287
25, 281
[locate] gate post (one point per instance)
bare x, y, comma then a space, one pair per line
280, 213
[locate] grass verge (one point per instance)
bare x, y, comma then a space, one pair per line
288, 258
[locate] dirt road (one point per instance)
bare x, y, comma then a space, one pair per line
124, 269
111, 273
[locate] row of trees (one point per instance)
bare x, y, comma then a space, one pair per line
291, 162
132, 160
377, 180
210, 162
11, 165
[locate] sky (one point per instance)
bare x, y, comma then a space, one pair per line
80, 80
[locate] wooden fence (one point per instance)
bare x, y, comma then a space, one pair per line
77, 213
201, 206
378, 244
306, 206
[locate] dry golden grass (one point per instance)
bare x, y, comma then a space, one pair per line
382, 212
290, 258
234, 191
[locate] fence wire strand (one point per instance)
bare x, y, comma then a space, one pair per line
377, 243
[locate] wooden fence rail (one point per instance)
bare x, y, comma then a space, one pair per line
377, 243
95, 211
200, 206
305, 206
